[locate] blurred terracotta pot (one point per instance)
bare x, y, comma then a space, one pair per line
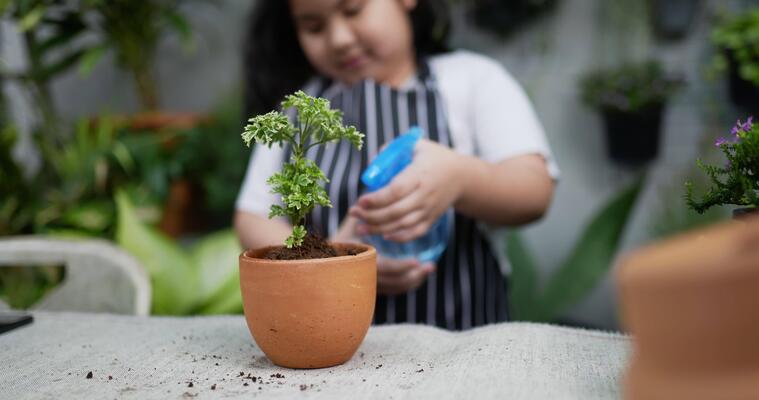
692, 306
309, 313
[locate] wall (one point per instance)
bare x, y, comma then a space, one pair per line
547, 57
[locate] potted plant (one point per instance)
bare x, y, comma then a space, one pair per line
738, 53
631, 99
503, 17
690, 304
672, 18
737, 182
308, 304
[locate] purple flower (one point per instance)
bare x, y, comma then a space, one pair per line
745, 127
721, 141
748, 125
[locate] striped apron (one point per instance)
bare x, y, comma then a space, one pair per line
468, 288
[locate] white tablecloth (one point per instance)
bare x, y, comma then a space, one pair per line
215, 357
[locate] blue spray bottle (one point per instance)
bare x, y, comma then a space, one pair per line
389, 163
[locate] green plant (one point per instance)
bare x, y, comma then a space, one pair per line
628, 88
202, 279
300, 181
132, 29
589, 261
738, 38
737, 182
51, 33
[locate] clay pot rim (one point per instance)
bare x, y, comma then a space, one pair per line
367, 251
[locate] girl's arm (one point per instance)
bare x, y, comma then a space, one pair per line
257, 231
513, 192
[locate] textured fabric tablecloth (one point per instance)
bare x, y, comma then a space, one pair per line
215, 357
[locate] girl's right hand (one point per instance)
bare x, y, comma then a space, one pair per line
401, 276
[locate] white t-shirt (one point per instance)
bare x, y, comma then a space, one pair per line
489, 115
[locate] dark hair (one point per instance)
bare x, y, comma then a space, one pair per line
273, 61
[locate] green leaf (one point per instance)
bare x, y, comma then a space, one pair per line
173, 276
179, 23
95, 216
217, 263
592, 256
32, 18
523, 282
90, 58
227, 300
296, 239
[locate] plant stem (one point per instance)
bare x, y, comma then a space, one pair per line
146, 87
40, 89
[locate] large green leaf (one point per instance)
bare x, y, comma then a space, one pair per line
227, 300
172, 273
591, 257
523, 282
216, 260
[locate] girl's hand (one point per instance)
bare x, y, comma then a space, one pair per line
400, 276
407, 207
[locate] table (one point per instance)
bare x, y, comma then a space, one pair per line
215, 357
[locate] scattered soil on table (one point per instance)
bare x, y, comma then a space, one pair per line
190, 384
110, 378
213, 387
313, 246
278, 375
89, 375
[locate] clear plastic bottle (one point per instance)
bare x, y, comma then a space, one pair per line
390, 162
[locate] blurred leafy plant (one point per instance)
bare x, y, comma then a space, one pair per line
738, 38
628, 88
737, 182
61, 34
202, 279
51, 34
132, 30
22, 287
589, 261
300, 181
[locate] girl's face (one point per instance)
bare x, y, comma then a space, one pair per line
350, 40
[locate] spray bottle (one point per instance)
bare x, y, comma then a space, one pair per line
396, 156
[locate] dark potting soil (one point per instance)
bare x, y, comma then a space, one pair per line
313, 246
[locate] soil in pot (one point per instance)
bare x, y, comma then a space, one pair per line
314, 246
633, 137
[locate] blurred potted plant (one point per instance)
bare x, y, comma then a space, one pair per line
308, 304
133, 30
632, 99
672, 18
690, 304
737, 182
737, 42
503, 17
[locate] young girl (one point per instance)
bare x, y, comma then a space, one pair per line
382, 63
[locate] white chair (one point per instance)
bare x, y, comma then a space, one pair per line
99, 277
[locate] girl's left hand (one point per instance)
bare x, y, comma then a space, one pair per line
407, 207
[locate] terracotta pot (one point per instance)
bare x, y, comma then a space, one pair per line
691, 304
746, 212
309, 313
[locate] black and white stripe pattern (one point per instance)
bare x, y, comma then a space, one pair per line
468, 289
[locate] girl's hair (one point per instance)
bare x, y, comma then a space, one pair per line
274, 64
